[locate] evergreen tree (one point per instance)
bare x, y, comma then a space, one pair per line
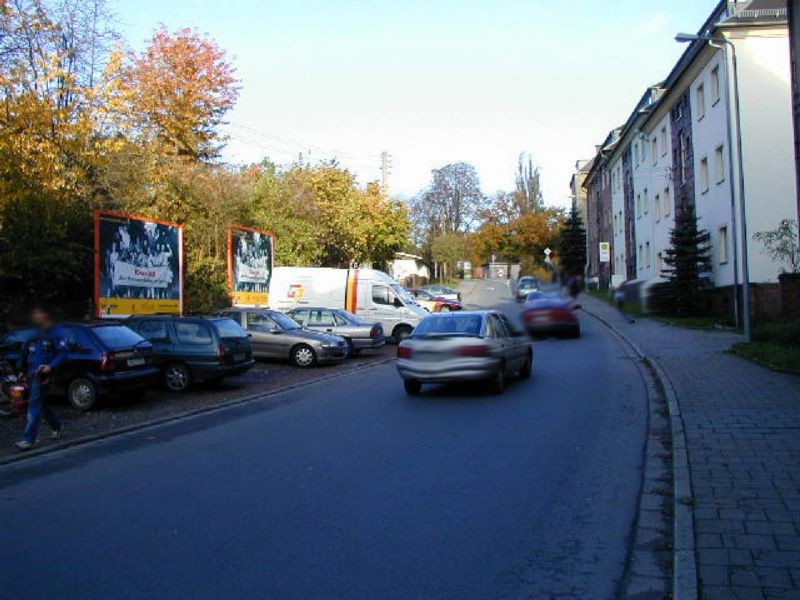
572, 245
688, 256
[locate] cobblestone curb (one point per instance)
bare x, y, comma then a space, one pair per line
684, 582
88, 439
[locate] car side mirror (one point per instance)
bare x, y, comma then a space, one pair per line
577, 307
398, 303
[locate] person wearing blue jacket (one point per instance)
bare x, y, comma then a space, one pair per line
45, 354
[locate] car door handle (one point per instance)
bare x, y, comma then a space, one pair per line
329, 330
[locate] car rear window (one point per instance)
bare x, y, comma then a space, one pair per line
19, 335
189, 332
117, 336
453, 324
227, 328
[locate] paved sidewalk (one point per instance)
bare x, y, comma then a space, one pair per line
742, 426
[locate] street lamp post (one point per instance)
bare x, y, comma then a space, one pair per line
730, 55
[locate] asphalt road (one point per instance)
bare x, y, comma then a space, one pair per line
351, 489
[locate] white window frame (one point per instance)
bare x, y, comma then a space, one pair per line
700, 100
715, 85
704, 177
664, 141
719, 164
722, 244
657, 207
654, 150
667, 202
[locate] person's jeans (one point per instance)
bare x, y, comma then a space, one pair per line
37, 408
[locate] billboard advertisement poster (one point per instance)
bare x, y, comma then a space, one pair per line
250, 256
138, 265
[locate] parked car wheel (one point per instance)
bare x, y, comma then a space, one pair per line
497, 384
177, 377
444, 308
402, 332
412, 386
303, 356
350, 350
525, 371
82, 394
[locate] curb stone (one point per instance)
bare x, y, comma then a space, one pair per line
88, 439
684, 583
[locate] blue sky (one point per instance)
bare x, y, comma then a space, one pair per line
431, 81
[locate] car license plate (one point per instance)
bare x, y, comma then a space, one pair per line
135, 362
238, 357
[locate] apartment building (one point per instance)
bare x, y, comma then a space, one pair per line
679, 148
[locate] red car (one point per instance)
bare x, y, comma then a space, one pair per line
433, 303
551, 315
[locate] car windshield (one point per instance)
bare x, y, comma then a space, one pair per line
283, 321
117, 336
463, 324
228, 328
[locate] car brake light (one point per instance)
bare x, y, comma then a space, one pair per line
107, 361
374, 331
472, 351
220, 353
404, 352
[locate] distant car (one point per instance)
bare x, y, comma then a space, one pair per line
358, 334
102, 358
13, 346
195, 349
443, 292
433, 303
551, 315
526, 285
464, 346
274, 335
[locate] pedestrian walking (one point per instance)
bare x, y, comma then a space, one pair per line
619, 300
45, 355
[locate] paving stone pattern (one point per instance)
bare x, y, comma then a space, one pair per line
742, 424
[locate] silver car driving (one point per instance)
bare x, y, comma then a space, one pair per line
459, 346
274, 335
358, 334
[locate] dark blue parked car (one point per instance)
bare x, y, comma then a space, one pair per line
103, 358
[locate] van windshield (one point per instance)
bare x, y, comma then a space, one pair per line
403, 294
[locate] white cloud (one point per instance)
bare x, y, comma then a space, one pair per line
651, 25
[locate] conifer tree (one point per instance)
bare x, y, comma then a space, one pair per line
687, 258
572, 245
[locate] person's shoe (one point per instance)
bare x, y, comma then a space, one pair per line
56, 433
24, 445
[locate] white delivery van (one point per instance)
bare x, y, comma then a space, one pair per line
371, 295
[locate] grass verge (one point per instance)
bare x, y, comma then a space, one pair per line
771, 354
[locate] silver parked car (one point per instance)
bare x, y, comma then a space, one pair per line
459, 346
442, 291
358, 334
274, 335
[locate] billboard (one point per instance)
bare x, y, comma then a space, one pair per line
138, 265
250, 255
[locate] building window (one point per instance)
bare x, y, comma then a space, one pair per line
715, 85
639, 258
659, 263
636, 154
638, 205
703, 175
722, 243
701, 101
647, 255
654, 150
645, 202
663, 141
719, 164
657, 207
667, 202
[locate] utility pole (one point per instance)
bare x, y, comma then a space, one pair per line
386, 163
